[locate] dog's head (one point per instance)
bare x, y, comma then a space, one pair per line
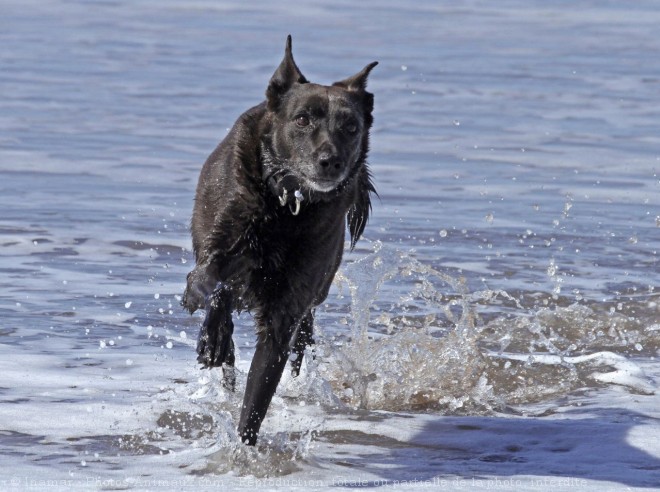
319, 133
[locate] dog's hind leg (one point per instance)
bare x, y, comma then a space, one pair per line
303, 340
215, 346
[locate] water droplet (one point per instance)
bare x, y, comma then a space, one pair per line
169, 345
443, 233
404, 68
128, 304
456, 123
156, 296
183, 335
129, 362
489, 218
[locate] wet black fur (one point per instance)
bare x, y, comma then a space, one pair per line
259, 248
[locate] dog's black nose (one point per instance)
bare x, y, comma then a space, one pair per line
329, 162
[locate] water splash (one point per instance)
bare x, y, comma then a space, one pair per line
420, 352
431, 350
419, 340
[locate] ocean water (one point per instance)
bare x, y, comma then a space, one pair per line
498, 327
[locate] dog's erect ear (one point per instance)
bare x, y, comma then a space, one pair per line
284, 77
357, 82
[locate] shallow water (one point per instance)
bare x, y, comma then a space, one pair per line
500, 321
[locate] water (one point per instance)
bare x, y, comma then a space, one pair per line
499, 326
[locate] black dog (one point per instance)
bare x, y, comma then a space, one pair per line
268, 224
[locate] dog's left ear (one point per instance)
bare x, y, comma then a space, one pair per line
357, 82
284, 77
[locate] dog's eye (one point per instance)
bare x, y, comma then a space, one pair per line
351, 128
302, 121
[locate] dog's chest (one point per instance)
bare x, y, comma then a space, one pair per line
272, 239
279, 239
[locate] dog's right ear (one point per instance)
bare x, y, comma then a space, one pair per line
284, 77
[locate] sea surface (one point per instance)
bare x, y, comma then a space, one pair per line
498, 327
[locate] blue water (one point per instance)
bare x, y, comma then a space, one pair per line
516, 152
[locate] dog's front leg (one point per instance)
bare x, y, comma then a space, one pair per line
270, 357
215, 345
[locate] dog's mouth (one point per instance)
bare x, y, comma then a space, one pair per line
325, 185
322, 185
